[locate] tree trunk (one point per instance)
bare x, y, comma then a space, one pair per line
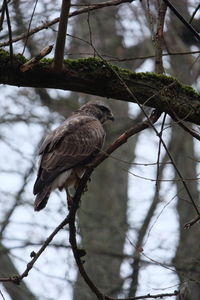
187, 254
102, 215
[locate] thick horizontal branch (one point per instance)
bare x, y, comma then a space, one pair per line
96, 77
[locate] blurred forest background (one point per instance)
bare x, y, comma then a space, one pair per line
131, 220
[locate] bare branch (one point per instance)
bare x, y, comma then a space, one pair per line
148, 296
192, 222
125, 136
31, 63
18, 279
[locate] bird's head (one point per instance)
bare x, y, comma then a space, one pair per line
99, 110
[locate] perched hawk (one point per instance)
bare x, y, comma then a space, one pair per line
68, 149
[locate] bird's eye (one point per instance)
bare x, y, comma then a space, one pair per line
104, 109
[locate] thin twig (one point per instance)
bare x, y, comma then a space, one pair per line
41, 250
161, 180
2, 295
148, 296
110, 59
18, 279
29, 25
194, 13
9, 31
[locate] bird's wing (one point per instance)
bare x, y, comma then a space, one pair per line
72, 144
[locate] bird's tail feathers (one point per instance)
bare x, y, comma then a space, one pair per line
42, 199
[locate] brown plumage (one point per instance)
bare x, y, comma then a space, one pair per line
68, 149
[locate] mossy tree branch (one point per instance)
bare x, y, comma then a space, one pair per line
96, 77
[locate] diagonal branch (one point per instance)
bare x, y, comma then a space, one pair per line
18, 279
100, 158
182, 19
70, 219
122, 139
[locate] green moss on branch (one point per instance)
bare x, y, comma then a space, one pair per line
97, 77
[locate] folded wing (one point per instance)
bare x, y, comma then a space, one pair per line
73, 144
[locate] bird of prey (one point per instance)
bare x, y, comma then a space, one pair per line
67, 150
